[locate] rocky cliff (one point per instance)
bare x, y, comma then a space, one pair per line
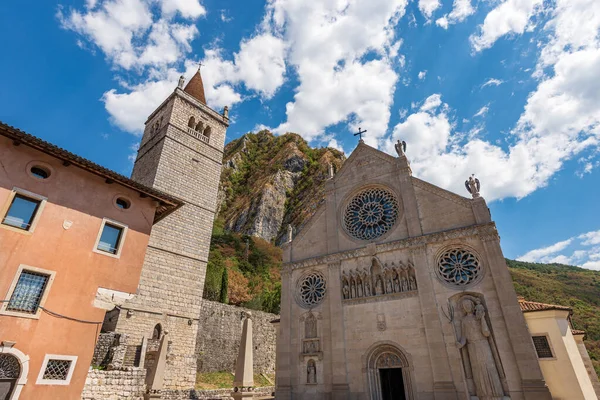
271, 181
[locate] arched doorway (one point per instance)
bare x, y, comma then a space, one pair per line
10, 371
389, 373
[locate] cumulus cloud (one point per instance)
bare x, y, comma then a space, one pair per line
587, 256
422, 74
537, 254
511, 16
130, 35
337, 85
428, 7
461, 9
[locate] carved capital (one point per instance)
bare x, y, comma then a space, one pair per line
334, 265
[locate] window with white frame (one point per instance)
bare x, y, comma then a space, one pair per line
23, 210
27, 292
110, 238
56, 370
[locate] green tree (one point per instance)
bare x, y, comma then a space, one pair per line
224, 287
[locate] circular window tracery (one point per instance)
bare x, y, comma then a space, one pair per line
370, 214
311, 289
459, 267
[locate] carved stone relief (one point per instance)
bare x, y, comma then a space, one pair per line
378, 279
475, 339
311, 344
311, 372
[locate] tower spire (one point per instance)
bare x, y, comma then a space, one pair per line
195, 86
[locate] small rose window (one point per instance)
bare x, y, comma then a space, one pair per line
459, 267
311, 289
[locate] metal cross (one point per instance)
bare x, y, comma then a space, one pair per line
200, 65
359, 133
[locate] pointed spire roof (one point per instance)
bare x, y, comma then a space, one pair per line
195, 87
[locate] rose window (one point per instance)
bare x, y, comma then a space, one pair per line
370, 214
311, 289
458, 267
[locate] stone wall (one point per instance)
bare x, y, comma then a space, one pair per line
219, 334
216, 394
102, 349
128, 384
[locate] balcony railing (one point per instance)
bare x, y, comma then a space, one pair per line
198, 135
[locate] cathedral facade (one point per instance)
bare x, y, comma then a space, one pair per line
398, 289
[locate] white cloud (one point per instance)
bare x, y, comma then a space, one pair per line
335, 145
461, 9
482, 112
511, 16
492, 82
432, 102
590, 238
327, 41
428, 7
537, 254
187, 8
585, 256
422, 74
130, 35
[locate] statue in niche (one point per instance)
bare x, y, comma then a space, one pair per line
389, 286
366, 283
310, 326
359, 285
345, 286
377, 277
311, 372
412, 283
404, 284
352, 286
480, 360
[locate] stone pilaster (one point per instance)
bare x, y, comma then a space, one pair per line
339, 375
283, 389
532, 380
443, 384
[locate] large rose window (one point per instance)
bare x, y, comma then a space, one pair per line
370, 214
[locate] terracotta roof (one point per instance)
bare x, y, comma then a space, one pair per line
167, 203
195, 87
577, 332
530, 306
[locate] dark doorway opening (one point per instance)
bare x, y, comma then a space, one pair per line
392, 384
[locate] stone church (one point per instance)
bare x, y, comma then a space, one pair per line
398, 289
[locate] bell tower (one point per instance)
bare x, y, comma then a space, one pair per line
180, 154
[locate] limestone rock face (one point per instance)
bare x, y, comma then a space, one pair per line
271, 181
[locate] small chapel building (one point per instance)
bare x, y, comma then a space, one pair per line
398, 289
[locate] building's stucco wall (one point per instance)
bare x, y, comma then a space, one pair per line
84, 199
565, 374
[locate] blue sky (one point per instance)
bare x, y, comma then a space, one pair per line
508, 90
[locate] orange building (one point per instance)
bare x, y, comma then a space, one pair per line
73, 237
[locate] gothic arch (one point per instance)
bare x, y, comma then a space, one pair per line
192, 122
387, 354
207, 132
8, 348
157, 332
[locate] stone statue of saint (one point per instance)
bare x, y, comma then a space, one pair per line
310, 326
367, 288
474, 335
400, 147
412, 283
345, 286
404, 284
181, 82
359, 285
290, 232
311, 372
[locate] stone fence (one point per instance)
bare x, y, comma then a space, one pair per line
128, 384
219, 334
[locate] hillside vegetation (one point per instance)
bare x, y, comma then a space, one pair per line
568, 286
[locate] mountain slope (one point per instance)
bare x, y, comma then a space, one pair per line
271, 181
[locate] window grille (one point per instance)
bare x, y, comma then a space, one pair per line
28, 292
57, 370
542, 347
